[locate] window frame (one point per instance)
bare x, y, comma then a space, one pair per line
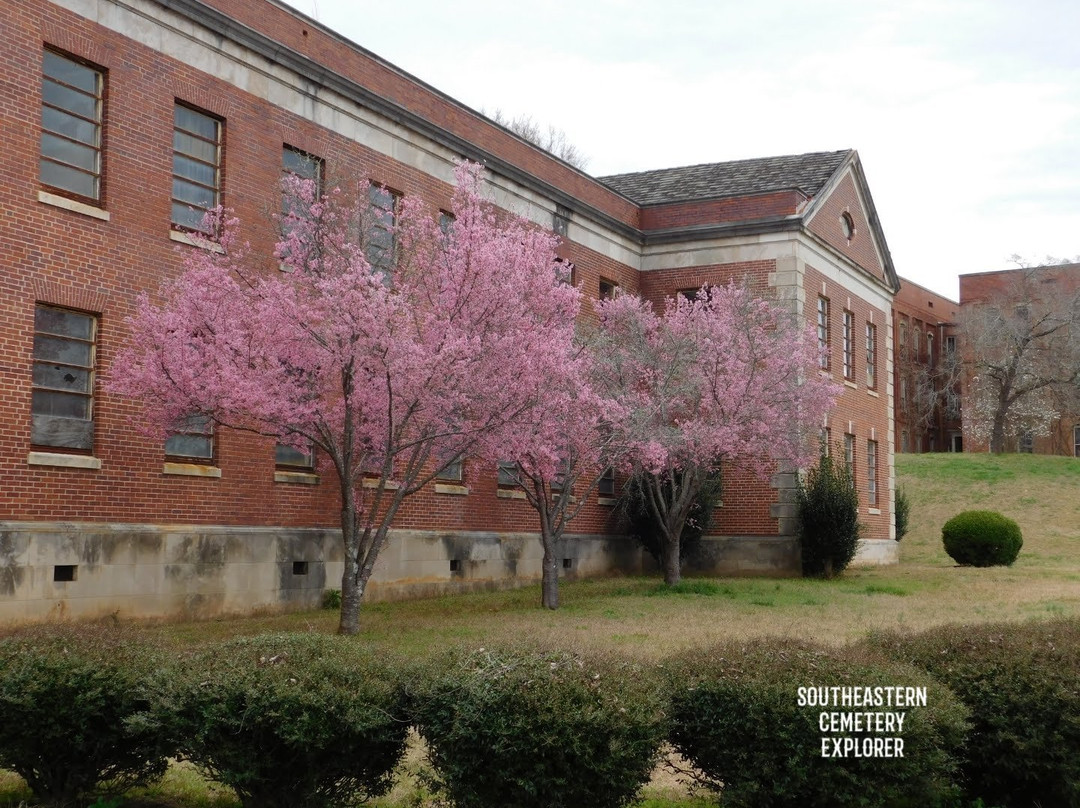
506, 474
605, 485
871, 473
305, 462
210, 436
98, 123
453, 473
848, 345
382, 220
824, 334
849, 455
42, 423
607, 289
218, 166
871, 356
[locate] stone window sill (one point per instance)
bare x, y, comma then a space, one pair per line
851, 384
60, 460
184, 238
873, 393
296, 477
607, 501
452, 489
510, 493
191, 470
70, 204
373, 482
874, 511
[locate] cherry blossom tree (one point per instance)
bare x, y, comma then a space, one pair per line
392, 375
560, 457
725, 379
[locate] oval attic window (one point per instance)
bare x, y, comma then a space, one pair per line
847, 225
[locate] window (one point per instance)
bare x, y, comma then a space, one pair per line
292, 458
823, 331
1076, 441
380, 246
825, 439
903, 339
871, 355
62, 398
849, 455
608, 289
192, 440
508, 473
299, 164
606, 486
871, 473
560, 221
196, 186
71, 115
303, 165
455, 472
930, 348
849, 346
950, 346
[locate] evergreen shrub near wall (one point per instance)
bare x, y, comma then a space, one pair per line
829, 527
290, 720
982, 539
535, 729
71, 702
736, 716
1021, 683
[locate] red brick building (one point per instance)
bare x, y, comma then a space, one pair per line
1052, 291
928, 402
121, 115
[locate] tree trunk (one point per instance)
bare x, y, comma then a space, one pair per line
670, 558
997, 433
550, 584
352, 591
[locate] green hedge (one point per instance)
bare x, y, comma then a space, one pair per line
1021, 683
739, 717
289, 720
535, 729
982, 539
72, 698
829, 527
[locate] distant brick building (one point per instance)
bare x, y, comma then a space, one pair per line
928, 404
1040, 288
121, 116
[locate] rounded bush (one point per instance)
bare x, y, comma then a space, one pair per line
290, 720
1020, 683
982, 539
72, 698
532, 729
738, 715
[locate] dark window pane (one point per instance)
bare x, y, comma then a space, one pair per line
67, 151
57, 349
194, 171
194, 147
68, 405
196, 122
69, 125
61, 377
192, 194
63, 323
68, 179
57, 95
184, 216
198, 446
507, 472
56, 66
291, 456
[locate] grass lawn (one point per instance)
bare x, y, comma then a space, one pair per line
642, 618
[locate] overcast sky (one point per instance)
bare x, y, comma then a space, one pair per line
965, 113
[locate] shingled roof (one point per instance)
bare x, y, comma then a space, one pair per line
807, 172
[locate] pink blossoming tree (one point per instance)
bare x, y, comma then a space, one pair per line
560, 456
726, 379
391, 375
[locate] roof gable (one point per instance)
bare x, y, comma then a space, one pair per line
807, 173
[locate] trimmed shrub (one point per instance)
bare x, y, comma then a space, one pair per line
737, 714
531, 729
70, 696
1022, 685
290, 720
829, 527
902, 514
982, 539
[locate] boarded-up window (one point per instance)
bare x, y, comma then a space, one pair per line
63, 379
